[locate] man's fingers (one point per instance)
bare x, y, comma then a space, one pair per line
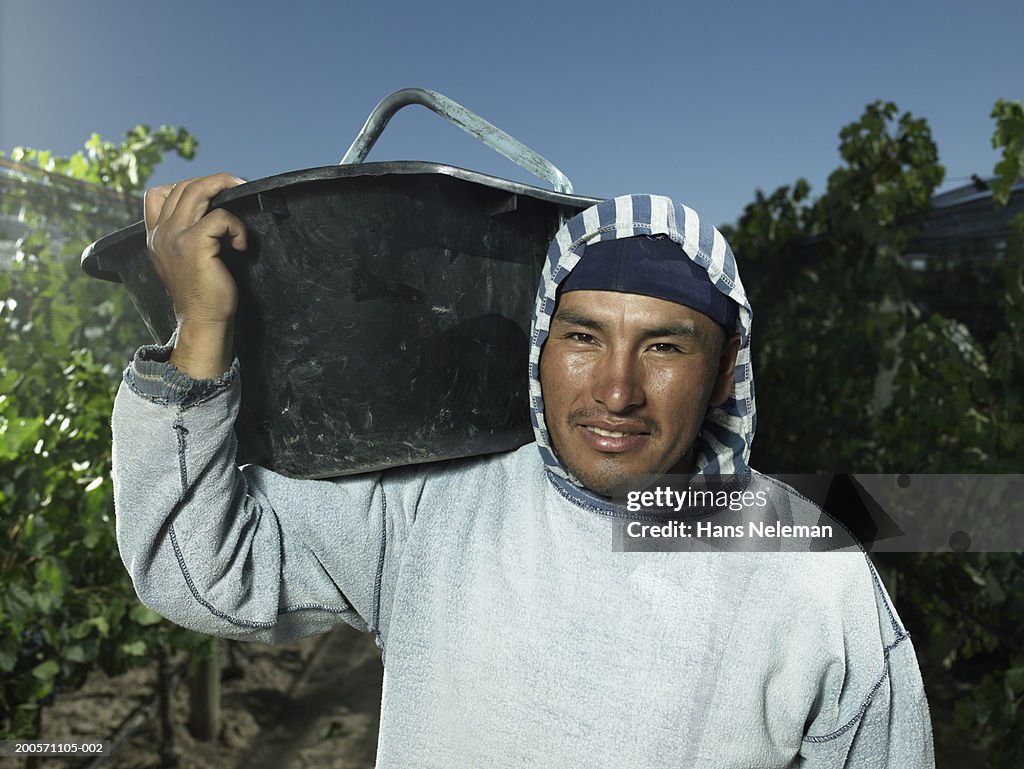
161, 201
223, 224
154, 201
192, 200
173, 196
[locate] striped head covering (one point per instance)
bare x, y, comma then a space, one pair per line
723, 445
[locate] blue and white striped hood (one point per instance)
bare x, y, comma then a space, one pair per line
723, 444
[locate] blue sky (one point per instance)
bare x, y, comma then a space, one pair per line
705, 102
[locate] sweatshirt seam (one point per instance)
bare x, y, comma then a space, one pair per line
897, 629
182, 431
582, 505
129, 379
379, 577
867, 702
193, 393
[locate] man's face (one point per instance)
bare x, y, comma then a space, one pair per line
627, 380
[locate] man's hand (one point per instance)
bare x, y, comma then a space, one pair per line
184, 240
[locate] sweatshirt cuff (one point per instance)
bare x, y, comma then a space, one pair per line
152, 376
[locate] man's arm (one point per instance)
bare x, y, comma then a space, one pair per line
891, 729
242, 553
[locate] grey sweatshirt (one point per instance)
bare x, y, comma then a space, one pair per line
512, 634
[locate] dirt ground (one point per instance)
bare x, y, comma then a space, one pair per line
312, 703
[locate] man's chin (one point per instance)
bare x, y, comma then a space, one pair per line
610, 478
607, 482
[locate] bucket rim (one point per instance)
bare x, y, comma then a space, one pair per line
92, 256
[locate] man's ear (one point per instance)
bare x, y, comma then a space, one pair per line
726, 371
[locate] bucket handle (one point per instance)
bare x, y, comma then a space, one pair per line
468, 121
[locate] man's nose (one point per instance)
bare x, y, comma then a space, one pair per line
617, 382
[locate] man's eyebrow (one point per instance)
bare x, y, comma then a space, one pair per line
683, 328
575, 319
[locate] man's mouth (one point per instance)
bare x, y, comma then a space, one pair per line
606, 433
609, 440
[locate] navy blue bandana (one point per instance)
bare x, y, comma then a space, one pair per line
652, 266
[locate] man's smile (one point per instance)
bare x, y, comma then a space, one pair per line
613, 437
606, 433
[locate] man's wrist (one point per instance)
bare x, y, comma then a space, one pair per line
203, 350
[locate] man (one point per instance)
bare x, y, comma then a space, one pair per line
512, 634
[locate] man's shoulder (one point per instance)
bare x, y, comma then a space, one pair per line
458, 492
519, 465
841, 575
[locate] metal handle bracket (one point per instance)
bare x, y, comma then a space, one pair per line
468, 121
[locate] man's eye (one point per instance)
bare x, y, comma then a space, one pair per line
579, 336
664, 347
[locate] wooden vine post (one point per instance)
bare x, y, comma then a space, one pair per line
204, 695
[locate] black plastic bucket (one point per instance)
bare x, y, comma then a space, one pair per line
384, 312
